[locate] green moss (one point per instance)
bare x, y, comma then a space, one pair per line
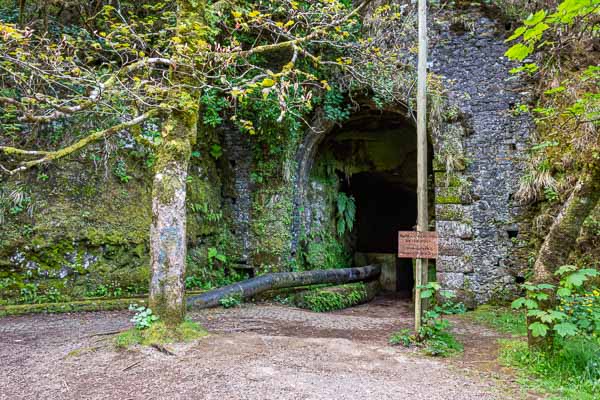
334, 298
447, 199
75, 306
159, 333
325, 251
450, 213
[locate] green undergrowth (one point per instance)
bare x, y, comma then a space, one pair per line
502, 319
435, 337
74, 306
332, 298
158, 333
572, 371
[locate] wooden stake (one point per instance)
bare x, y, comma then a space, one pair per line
422, 218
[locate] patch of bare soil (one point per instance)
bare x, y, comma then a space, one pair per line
253, 352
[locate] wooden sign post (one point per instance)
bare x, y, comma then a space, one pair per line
413, 244
422, 217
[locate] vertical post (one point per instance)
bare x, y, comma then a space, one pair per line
422, 217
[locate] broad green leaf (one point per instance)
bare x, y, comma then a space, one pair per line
530, 304
536, 18
540, 296
520, 30
341, 226
565, 329
351, 208
576, 279
341, 203
544, 286
518, 52
547, 317
563, 292
425, 294
535, 313
564, 269
538, 329
518, 303
557, 315
536, 32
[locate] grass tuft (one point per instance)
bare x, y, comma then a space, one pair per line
159, 333
503, 319
572, 371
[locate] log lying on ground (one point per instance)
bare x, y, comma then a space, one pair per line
251, 287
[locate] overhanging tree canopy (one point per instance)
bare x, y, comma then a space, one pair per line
184, 66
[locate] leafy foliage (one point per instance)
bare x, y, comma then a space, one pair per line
231, 301
323, 300
346, 213
434, 337
554, 48
570, 372
576, 309
143, 318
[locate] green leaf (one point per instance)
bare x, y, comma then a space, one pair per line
267, 82
565, 329
216, 151
540, 296
518, 52
536, 18
341, 226
557, 315
425, 294
536, 313
518, 303
544, 286
538, 329
530, 304
341, 203
563, 292
520, 30
212, 252
564, 269
536, 32
575, 279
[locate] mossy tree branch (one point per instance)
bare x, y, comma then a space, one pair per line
73, 148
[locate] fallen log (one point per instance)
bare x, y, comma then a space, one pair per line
280, 280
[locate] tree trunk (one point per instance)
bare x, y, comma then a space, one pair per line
281, 280
562, 237
168, 245
563, 234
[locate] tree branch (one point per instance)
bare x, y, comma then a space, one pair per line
57, 154
295, 42
88, 102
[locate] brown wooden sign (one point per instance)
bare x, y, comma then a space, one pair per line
412, 244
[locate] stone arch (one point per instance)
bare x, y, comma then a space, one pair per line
390, 127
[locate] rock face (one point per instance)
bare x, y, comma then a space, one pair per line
281, 213
481, 224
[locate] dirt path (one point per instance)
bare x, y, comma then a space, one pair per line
254, 352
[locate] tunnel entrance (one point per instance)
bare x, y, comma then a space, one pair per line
373, 160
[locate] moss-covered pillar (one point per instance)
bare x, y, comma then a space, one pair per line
168, 229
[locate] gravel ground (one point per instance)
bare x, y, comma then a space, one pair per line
253, 352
